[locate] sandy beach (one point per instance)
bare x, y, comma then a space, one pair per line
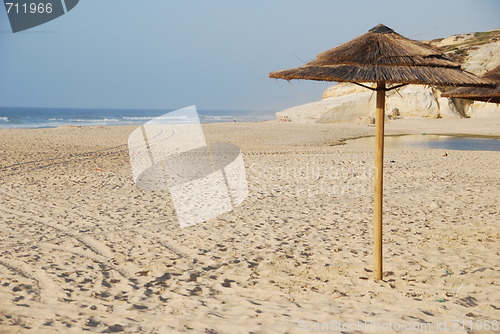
84, 250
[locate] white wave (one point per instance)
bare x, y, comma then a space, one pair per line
167, 117
163, 117
94, 120
4, 119
219, 118
137, 118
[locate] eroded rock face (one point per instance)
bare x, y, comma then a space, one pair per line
347, 102
448, 108
414, 101
343, 88
483, 58
484, 110
343, 108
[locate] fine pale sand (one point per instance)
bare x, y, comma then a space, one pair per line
84, 250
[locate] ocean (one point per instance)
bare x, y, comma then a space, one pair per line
31, 118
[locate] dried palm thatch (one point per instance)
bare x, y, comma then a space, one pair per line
382, 55
480, 93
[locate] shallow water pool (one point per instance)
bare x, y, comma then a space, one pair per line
430, 142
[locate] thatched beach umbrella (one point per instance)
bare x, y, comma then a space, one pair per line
484, 94
383, 57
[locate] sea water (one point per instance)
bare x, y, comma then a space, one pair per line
27, 118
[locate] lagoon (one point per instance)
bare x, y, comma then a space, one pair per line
425, 141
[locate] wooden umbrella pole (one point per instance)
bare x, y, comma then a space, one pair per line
379, 181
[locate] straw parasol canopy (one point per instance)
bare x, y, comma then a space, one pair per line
382, 56
485, 94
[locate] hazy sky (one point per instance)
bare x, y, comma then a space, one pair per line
214, 54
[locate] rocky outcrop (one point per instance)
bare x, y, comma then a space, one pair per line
483, 110
342, 108
411, 100
345, 102
483, 58
477, 52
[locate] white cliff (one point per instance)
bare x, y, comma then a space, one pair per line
483, 110
347, 102
482, 59
342, 108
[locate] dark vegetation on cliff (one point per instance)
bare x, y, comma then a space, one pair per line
458, 47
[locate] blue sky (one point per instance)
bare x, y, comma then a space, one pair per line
216, 54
